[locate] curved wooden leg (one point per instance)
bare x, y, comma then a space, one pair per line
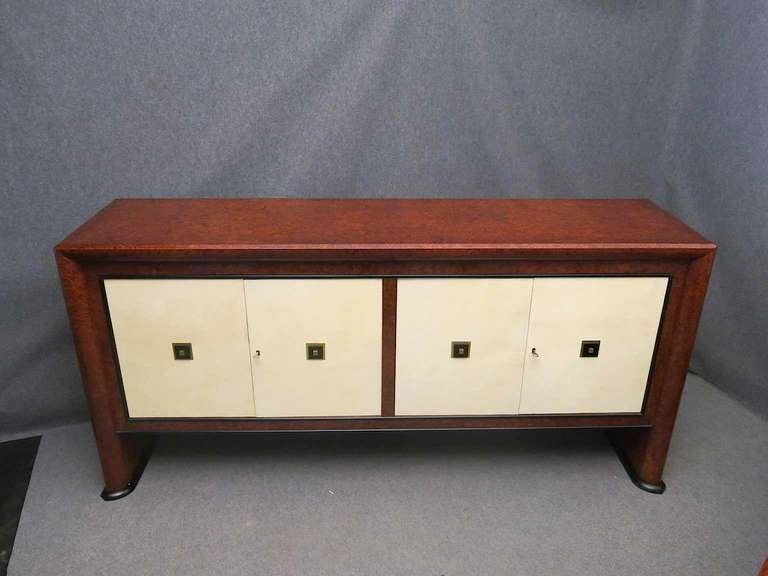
123, 460
122, 457
643, 451
642, 466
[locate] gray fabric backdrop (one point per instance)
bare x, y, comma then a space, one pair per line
377, 98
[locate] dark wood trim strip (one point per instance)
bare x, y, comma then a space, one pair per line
379, 423
499, 268
388, 348
387, 253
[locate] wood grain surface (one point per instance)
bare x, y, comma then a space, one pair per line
209, 238
380, 229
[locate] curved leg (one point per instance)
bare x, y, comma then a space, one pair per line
643, 451
138, 451
122, 457
656, 486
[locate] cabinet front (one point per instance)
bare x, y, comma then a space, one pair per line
590, 344
460, 345
182, 347
315, 346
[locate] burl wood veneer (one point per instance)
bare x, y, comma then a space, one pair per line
219, 315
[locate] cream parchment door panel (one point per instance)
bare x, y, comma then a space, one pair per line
491, 314
621, 314
149, 316
342, 315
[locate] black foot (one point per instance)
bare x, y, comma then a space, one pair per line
643, 485
109, 496
117, 494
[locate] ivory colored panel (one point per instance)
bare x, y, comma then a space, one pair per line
149, 315
622, 313
345, 315
492, 314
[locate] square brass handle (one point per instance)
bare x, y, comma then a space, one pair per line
315, 351
460, 349
182, 351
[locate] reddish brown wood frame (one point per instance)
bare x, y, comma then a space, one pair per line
321, 238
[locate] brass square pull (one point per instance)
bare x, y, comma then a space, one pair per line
590, 348
315, 351
182, 351
460, 349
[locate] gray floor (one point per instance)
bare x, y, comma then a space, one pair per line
399, 504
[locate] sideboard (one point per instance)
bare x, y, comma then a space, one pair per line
263, 315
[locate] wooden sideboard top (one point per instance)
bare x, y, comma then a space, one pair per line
291, 229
